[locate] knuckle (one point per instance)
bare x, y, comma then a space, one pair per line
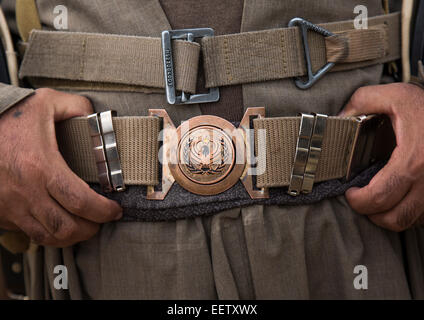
59, 227
407, 215
85, 103
394, 182
395, 228
80, 203
388, 221
416, 168
77, 200
44, 92
420, 221
67, 232
381, 193
379, 199
55, 221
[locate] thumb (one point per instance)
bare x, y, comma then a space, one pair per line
65, 105
369, 100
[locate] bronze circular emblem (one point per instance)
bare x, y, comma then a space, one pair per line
210, 155
206, 155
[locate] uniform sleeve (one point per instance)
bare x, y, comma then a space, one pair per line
10, 96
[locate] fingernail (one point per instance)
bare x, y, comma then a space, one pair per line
119, 216
120, 212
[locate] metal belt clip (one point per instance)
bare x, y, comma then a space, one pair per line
168, 63
305, 26
105, 151
308, 151
374, 141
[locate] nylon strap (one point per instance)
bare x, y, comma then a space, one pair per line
110, 59
281, 139
138, 145
278, 53
137, 139
91, 61
27, 18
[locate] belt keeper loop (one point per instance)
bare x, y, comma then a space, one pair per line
105, 150
302, 153
308, 151
315, 148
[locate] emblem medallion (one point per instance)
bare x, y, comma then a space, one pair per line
206, 155
210, 156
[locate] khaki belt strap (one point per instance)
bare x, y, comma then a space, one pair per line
138, 146
127, 63
278, 53
110, 59
137, 139
281, 140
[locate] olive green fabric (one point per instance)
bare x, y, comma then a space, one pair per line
305, 252
27, 17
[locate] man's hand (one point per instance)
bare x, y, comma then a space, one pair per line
394, 199
39, 194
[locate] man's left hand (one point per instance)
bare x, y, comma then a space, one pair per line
394, 199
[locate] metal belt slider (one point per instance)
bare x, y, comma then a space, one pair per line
305, 26
308, 151
105, 151
168, 63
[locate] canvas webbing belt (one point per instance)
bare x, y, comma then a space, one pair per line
138, 145
137, 140
127, 63
282, 134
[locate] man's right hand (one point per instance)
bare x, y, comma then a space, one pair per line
39, 194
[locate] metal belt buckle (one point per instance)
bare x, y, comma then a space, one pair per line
312, 78
374, 141
206, 155
168, 62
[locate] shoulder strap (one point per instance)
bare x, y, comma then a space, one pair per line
27, 18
